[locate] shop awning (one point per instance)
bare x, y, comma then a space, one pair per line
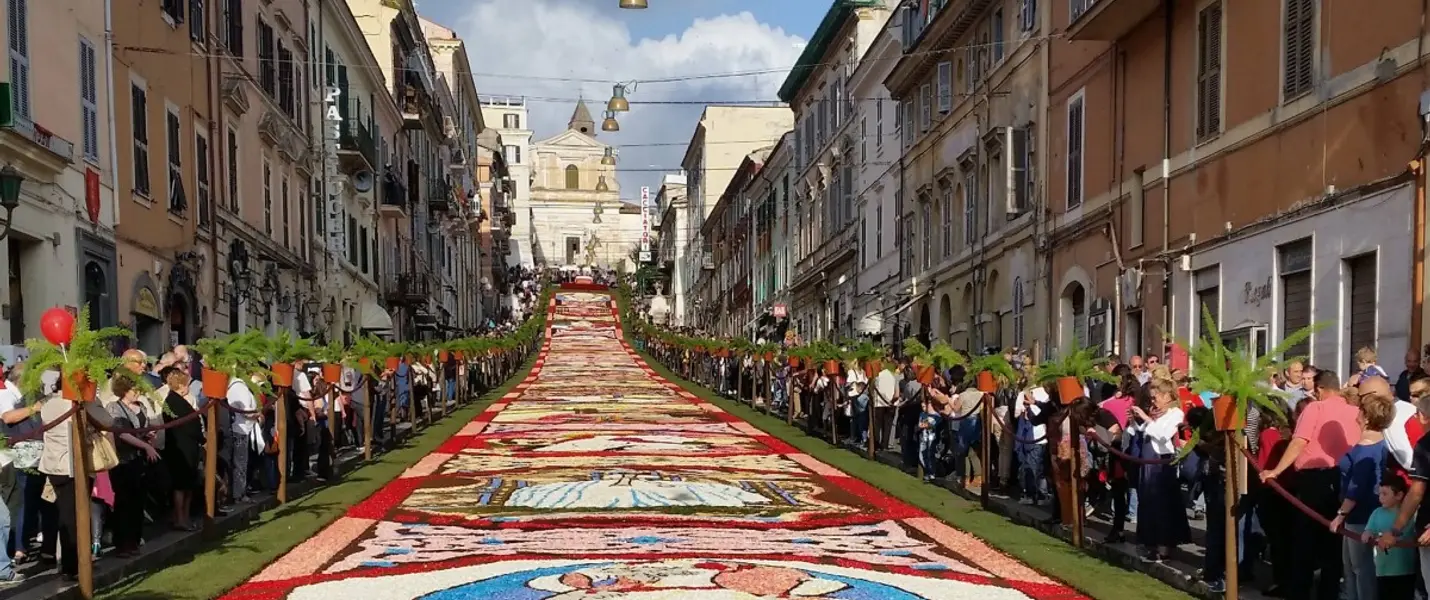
374, 318
906, 304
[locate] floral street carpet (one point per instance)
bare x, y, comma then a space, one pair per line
597, 479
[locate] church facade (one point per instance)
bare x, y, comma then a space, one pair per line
576, 208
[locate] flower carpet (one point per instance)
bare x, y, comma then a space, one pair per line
597, 479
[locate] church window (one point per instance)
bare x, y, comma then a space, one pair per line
573, 177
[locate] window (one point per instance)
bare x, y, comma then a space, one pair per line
573, 177
513, 155
173, 11
139, 123
287, 215
1294, 261
233, 170
996, 23
511, 121
926, 107
362, 249
202, 181
267, 197
1209, 71
909, 132
879, 231
267, 63
1362, 270
926, 210
19, 22
970, 205
1018, 323
286, 89
178, 203
232, 26
879, 124
88, 100
1208, 286
1020, 170
945, 207
302, 221
863, 140
945, 87
196, 21
1075, 145
1298, 48
1027, 15
351, 232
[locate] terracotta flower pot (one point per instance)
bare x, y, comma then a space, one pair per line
283, 374
986, 383
77, 387
1227, 417
392, 363
1069, 389
793, 362
366, 363
461, 355
215, 384
769, 356
332, 372
872, 368
924, 373
442, 355
831, 367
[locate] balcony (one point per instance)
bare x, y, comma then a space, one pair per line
707, 260
394, 197
408, 289
439, 196
272, 130
413, 100
357, 149
1107, 20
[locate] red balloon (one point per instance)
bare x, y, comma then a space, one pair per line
57, 325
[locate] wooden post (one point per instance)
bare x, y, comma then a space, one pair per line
791, 397
831, 406
79, 461
1229, 514
211, 459
869, 415
280, 425
333, 426
369, 397
986, 435
411, 400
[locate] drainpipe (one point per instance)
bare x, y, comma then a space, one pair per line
218, 146
109, 83
1168, 15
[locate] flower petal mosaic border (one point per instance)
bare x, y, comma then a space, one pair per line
596, 478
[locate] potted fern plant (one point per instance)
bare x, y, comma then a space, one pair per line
1071, 371
871, 357
86, 356
991, 372
367, 350
1238, 379
285, 350
233, 356
931, 360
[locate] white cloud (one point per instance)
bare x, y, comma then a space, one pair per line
574, 39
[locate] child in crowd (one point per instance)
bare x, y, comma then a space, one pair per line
928, 439
1366, 362
1394, 567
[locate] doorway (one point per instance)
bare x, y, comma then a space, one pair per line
573, 248
17, 293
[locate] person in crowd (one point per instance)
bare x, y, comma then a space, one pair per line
1326, 430
183, 446
1161, 520
1031, 444
1414, 367
136, 453
243, 426
856, 392
1367, 366
57, 465
1413, 519
1360, 470
1394, 565
1118, 482
928, 425
15, 419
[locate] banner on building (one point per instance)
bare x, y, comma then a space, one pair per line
331, 173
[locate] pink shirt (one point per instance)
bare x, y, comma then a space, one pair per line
1118, 406
1329, 427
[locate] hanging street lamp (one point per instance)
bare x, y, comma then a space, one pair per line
610, 157
618, 102
610, 123
10, 181
634, 4
601, 185
599, 209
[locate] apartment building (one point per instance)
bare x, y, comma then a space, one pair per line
768, 192
418, 168
882, 299
970, 87
1246, 158
672, 238
509, 117
818, 89
723, 137
495, 189
56, 142
165, 228
729, 230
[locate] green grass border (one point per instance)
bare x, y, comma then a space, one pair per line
1048, 555
224, 564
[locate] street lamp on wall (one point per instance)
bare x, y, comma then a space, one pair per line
330, 315
10, 182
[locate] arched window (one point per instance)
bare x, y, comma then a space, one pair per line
573, 177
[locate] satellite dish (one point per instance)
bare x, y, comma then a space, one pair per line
362, 181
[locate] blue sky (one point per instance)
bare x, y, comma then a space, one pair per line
596, 40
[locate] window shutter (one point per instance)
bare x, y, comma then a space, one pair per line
20, 57
926, 115
1209, 71
1074, 158
1017, 161
1298, 47
945, 87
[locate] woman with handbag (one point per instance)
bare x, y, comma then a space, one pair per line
58, 464
136, 453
